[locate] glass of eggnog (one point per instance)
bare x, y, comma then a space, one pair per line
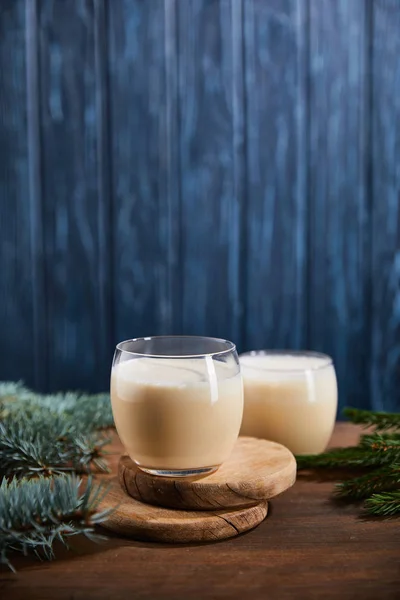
177, 402
289, 397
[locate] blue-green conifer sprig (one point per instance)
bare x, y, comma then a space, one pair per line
44, 441
34, 513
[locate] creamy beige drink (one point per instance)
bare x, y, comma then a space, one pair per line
177, 413
290, 399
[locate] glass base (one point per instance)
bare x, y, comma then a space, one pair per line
179, 472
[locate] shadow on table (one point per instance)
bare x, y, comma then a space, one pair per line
80, 547
335, 476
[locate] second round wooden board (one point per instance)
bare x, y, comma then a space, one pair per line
132, 518
257, 470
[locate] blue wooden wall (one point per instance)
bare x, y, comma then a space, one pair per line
220, 167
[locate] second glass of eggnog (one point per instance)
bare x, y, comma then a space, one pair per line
177, 402
290, 398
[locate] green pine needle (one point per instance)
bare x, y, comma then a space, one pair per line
35, 513
10, 390
51, 433
382, 479
385, 504
90, 411
380, 441
43, 437
379, 451
37, 441
380, 420
355, 456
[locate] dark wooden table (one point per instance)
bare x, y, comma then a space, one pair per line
308, 547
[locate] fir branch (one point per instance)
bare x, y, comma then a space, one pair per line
379, 450
10, 390
34, 513
380, 441
385, 504
39, 441
355, 456
382, 479
380, 420
93, 411
90, 411
41, 438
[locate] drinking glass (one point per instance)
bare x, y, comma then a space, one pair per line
289, 397
177, 402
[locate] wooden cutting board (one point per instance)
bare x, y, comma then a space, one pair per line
145, 522
257, 470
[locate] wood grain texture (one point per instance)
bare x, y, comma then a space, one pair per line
385, 372
275, 194
256, 470
338, 251
145, 203
219, 167
36, 204
211, 156
308, 548
141, 521
71, 199
105, 214
18, 251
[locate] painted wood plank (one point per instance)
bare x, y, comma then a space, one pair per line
211, 163
39, 300
142, 61
339, 261
17, 344
275, 55
105, 209
385, 368
71, 197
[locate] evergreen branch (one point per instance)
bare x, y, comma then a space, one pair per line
10, 390
379, 450
380, 420
383, 479
380, 441
42, 438
90, 411
39, 441
93, 411
385, 504
34, 513
355, 456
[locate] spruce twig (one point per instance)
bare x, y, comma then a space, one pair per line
90, 411
379, 451
383, 479
13, 390
39, 441
42, 439
385, 504
35, 513
380, 441
380, 420
354, 456
51, 433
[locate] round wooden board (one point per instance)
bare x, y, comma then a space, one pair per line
257, 470
145, 522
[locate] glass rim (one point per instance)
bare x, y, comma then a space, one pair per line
231, 347
328, 361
